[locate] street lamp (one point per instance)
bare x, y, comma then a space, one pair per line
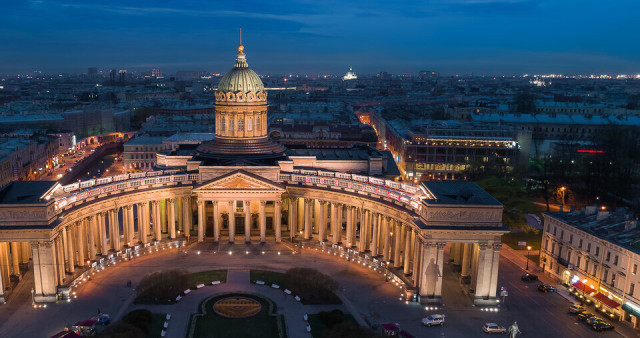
528, 250
33, 299
562, 190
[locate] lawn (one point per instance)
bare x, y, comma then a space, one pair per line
206, 277
531, 238
266, 324
318, 326
309, 290
157, 324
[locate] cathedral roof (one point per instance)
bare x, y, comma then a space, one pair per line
241, 78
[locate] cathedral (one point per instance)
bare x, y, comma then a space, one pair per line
241, 187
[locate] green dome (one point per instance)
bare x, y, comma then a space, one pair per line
241, 78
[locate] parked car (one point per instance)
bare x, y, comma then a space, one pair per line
594, 319
546, 288
576, 309
493, 328
435, 319
602, 326
529, 277
103, 319
585, 315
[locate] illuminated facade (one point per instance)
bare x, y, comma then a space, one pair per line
596, 253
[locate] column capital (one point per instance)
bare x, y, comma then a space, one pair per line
323, 203
171, 200
215, 203
277, 202
200, 202
263, 203
497, 246
308, 201
428, 245
293, 198
483, 245
155, 202
246, 203
441, 245
90, 218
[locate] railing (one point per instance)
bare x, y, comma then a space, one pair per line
408, 195
97, 191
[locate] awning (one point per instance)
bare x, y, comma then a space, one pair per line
606, 300
582, 287
630, 310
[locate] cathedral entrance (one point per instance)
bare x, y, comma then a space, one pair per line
239, 225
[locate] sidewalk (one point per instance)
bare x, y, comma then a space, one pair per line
519, 258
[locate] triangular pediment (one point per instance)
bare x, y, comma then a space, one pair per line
240, 180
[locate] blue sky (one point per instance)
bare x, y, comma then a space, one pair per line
323, 36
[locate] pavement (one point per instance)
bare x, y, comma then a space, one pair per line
368, 295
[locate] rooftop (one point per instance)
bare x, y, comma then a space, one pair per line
25, 192
458, 193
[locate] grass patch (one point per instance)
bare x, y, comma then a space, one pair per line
164, 286
533, 238
313, 287
157, 324
206, 277
266, 324
337, 324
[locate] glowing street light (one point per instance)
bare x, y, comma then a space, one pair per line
528, 250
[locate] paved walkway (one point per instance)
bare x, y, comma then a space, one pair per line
238, 281
519, 257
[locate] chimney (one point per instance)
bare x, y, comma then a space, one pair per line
630, 224
590, 210
602, 214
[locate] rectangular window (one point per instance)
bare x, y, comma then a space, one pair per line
258, 126
240, 124
571, 239
546, 244
605, 275
588, 247
608, 256
578, 262
580, 243
615, 260
230, 124
635, 269
223, 124
632, 288
562, 234
597, 250
249, 124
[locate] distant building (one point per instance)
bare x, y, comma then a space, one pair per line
156, 72
351, 75
597, 254
140, 152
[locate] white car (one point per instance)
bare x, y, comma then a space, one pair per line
493, 328
433, 320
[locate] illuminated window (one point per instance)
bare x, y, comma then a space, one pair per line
249, 124
258, 123
223, 123
240, 124
231, 124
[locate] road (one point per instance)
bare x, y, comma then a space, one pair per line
373, 298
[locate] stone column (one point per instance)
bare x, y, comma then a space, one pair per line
59, 253
171, 209
132, 231
335, 228
466, 259
277, 220
125, 224
102, 229
80, 241
495, 263
200, 220
455, 255
407, 251
68, 246
385, 238
157, 222
349, 230
186, 211
116, 232
44, 271
15, 259
232, 221
216, 221
362, 242
143, 221
483, 270
91, 227
474, 265
293, 216
417, 254
374, 235
307, 218
397, 260
431, 275
5, 267
25, 247
263, 222
322, 220
247, 221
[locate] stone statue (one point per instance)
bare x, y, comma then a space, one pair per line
513, 330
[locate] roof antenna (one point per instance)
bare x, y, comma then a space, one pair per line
241, 47
240, 36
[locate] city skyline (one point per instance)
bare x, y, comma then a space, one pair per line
452, 37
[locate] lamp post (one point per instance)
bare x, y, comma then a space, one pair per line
528, 250
33, 299
562, 190
584, 285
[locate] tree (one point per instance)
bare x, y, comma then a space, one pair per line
525, 103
